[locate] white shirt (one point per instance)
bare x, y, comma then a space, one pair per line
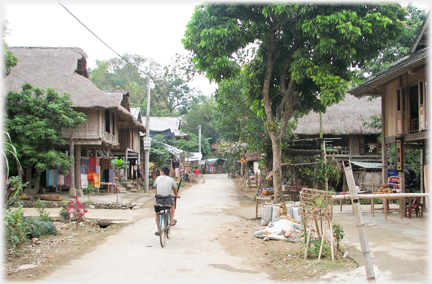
164, 185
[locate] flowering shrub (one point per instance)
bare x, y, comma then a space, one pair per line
338, 233
77, 210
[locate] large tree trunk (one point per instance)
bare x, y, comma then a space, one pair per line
277, 168
35, 189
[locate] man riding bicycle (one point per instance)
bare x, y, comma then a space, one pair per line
163, 185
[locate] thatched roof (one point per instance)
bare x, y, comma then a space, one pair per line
344, 118
65, 70
120, 96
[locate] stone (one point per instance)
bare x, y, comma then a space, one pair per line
27, 266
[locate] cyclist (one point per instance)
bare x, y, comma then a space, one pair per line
163, 185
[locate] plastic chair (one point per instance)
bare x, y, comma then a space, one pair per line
417, 206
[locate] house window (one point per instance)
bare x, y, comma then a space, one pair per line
107, 121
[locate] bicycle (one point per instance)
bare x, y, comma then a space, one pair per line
164, 223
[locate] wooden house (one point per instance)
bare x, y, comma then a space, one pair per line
65, 70
129, 138
345, 134
403, 91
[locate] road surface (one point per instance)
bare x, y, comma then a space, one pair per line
192, 254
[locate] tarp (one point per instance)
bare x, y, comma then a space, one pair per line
167, 134
194, 156
215, 161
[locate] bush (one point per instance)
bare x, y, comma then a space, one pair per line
37, 228
14, 227
40, 207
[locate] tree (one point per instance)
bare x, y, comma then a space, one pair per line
191, 145
202, 112
171, 94
9, 59
35, 118
399, 47
305, 54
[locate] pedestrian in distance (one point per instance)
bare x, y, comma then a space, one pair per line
203, 172
163, 185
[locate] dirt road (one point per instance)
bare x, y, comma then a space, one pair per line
193, 252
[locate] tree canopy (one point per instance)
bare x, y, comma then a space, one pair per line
305, 59
34, 121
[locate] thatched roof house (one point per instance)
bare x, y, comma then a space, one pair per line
345, 118
65, 70
343, 125
109, 125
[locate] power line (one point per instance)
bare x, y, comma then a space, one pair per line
101, 39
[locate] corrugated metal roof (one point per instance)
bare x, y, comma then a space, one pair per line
367, 165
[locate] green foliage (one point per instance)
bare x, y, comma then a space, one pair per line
10, 152
170, 96
40, 207
37, 228
34, 121
13, 189
158, 153
14, 227
202, 112
89, 190
9, 60
305, 53
399, 47
325, 171
236, 149
338, 232
119, 164
315, 245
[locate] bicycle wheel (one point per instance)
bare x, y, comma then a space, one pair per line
162, 229
167, 224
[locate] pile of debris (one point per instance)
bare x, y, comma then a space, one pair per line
284, 227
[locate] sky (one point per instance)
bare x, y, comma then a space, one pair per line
152, 29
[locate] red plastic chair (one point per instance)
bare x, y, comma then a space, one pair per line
417, 206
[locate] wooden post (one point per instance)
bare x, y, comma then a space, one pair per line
359, 222
79, 191
72, 190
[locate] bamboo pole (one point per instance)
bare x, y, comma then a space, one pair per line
381, 195
308, 239
322, 241
360, 224
331, 240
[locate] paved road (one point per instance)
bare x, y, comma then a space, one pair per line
192, 253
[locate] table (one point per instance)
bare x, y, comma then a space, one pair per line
109, 184
385, 197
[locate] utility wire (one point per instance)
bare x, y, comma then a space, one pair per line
101, 40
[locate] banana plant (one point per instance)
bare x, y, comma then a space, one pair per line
119, 164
